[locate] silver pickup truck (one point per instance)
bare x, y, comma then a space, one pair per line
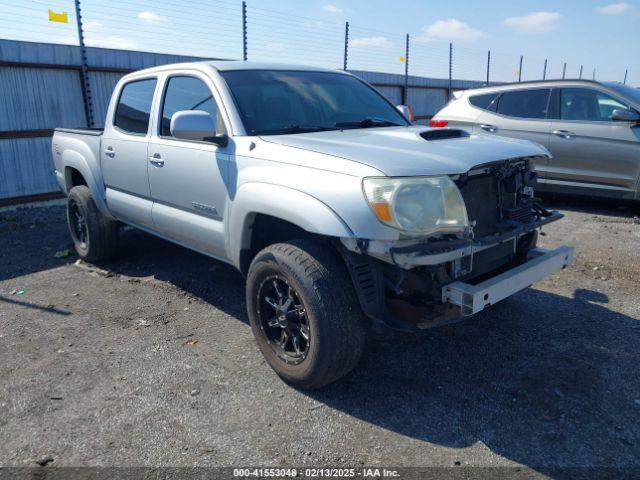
340, 214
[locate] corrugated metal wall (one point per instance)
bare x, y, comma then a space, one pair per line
40, 89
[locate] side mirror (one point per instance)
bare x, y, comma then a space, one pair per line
196, 125
405, 111
625, 115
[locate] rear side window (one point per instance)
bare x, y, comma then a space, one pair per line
134, 106
483, 101
524, 103
186, 93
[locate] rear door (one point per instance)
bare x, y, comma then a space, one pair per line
520, 114
188, 178
124, 153
592, 153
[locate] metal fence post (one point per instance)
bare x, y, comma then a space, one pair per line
520, 70
564, 70
405, 90
450, 68
544, 70
580, 77
488, 65
625, 76
84, 74
346, 44
244, 31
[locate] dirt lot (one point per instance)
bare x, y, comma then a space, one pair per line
149, 360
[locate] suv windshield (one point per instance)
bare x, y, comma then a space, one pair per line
273, 102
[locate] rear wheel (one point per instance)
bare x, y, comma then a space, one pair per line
304, 313
95, 237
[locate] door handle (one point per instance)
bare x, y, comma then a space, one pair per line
489, 128
156, 160
109, 152
567, 135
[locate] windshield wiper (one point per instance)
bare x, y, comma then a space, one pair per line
368, 123
295, 129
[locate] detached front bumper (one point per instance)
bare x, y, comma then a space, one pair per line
474, 298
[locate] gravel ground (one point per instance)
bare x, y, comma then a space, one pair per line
149, 360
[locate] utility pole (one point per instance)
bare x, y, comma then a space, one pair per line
544, 70
488, 65
405, 90
520, 70
450, 69
564, 70
346, 44
580, 77
244, 31
625, 76
84, 78
594, 74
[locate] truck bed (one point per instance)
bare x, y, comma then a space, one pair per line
75, 144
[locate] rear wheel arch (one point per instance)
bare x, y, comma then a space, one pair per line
73, 177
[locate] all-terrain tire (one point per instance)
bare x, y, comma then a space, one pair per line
336, 324
100, 241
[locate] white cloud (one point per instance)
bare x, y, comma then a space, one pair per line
91, 25
151, 17
534, 22
112, 41
330, 8
451, 29
373, 42
615, 8
275, 46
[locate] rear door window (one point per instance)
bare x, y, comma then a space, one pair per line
134, 106
529, 104
485, 102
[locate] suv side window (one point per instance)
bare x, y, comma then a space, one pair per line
134, 106
187, 93
485, 101
531, 103
588, 105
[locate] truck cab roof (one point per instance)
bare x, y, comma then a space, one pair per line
234, 65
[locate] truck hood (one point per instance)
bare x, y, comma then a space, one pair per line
401, 151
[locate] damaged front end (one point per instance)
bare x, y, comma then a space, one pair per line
417, 283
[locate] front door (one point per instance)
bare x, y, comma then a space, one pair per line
124, 154
591, 152
187, 178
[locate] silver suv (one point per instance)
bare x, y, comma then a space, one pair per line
592, 130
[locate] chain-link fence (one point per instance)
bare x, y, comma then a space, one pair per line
236, 30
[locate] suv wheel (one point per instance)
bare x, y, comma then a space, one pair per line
304, 313
95, 237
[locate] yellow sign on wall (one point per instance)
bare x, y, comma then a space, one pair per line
58, 17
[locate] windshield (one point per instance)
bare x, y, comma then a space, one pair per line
631, 93
273, 102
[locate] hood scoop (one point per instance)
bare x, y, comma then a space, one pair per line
443, 134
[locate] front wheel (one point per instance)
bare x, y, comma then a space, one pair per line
304, 313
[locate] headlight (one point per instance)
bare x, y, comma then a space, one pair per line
421, 205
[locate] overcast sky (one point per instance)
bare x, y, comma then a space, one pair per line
594, 34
